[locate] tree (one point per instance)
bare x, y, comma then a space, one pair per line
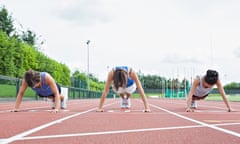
6, 22
29, 37
6, 55
232, 85
32, 39
79, 79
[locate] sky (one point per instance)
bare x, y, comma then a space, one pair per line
170, 38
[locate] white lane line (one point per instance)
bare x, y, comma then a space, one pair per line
198, 122
109, 132
209, 111
199, 105
121, 131
24, 109
75, 102
23, 134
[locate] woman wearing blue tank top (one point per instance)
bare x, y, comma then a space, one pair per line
202, 86
44, 85
125, 81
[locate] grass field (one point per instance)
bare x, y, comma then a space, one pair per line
10, 91
218, 97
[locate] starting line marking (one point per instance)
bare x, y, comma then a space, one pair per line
36, 110
24, 109
210, 111
222, 121
126, 111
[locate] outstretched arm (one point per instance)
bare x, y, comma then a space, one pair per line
105, 91
224, 97
190, 94
52, 84
19, 96
140, 90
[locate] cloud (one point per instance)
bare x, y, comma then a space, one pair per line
237, 52
83, 12
178, 59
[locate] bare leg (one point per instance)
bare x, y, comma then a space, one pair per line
63, 104
122, 101
128, 95
61, 97
128, 100
122, 95
194, 99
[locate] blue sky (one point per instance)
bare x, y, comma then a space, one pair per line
172, 38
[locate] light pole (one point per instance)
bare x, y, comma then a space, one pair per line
88, 42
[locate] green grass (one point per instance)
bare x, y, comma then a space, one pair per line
7, 91
218, 97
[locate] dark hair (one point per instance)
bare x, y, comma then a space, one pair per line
211, 77
32, 77
119, 79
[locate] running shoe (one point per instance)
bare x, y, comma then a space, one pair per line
194, 104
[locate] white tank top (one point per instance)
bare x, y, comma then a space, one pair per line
200, 90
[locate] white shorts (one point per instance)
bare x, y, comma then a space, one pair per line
131, 89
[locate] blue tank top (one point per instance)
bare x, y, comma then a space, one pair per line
45, 89
130, 81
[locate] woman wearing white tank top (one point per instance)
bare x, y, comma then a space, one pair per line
202, 86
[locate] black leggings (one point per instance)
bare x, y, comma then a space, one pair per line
199, 98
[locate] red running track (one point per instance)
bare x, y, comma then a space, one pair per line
168, 123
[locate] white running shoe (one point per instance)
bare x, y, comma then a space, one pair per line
122, 103
194, 104
53, 105
125, 103
64, 103
128, 103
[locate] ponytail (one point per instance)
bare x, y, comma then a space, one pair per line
119, 79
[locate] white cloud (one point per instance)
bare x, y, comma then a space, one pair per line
85, 13
237, 52
177, 59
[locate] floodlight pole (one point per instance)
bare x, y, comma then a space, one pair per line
88, 42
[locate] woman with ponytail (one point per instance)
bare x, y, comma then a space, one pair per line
45, 86
124, 82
